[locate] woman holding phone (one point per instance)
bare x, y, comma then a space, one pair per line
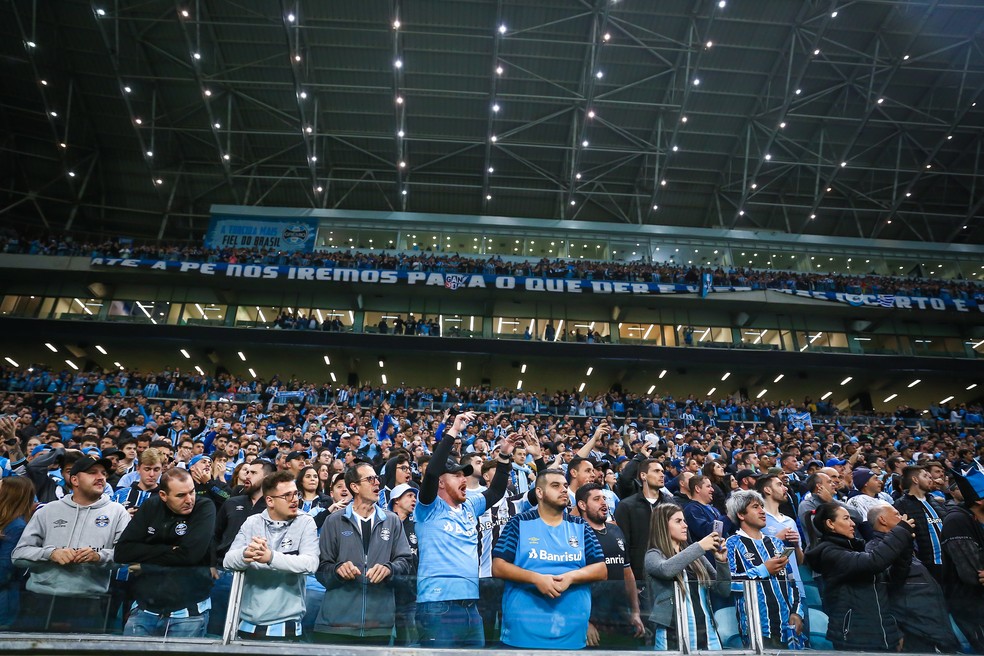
672, 559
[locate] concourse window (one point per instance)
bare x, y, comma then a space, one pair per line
937, 346
138, 311
630, 251
460, 325
376, 240
512, 327
467, 243
338, 239
821, 341
20, 306
761, 338
203, 314
256, 316
589, 249
877, 344
649, 334
76, 308
546, 247
690, 335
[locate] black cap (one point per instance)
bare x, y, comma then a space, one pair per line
294, 455
745, 473
453, 468
86, 463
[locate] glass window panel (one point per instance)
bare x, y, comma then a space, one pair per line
20, 306
139, 311
640, 333
77, 308
256, 316
338, 238
454, 325
204, 314
761, 338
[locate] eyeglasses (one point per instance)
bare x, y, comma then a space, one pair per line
404, 467
287, 496
371, 479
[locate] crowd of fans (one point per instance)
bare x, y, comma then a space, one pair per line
641, 271
469, 517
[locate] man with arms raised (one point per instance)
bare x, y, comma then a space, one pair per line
447, 533
546, 557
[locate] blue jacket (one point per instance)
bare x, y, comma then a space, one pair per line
10, 576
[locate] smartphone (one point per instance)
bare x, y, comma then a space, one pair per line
787, 552
718, 527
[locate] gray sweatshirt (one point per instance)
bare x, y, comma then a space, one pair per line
274, 591
65, 524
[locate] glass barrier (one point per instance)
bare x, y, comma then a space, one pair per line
139, 600
900, 608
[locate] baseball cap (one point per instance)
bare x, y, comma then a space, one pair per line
197, 459
453, 467
294, 455
861, 477
836, 462
745, 473
399, 491
92, 451
676, 463
39, 448
86, 463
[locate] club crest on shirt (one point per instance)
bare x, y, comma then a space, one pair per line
620, 543
180, 528
573, 541
102, 521
384, 535
412, 537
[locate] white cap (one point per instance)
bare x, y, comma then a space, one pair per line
399, 491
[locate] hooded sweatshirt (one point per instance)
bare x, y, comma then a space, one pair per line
65, 524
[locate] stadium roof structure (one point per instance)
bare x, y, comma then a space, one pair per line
859, 118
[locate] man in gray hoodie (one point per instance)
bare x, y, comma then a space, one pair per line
68, 548
362, 548
276, 549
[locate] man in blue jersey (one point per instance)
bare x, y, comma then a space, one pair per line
547, 558
447, 535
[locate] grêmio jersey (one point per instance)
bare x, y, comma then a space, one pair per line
448, 541
531, 620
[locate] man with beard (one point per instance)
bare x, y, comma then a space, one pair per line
68, 547
546, 557
276, 549
166, 546
447, 531
228, 520
615, 618
926, 509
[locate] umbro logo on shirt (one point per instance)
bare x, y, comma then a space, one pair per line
61, 523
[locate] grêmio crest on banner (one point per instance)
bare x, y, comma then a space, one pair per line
294, 235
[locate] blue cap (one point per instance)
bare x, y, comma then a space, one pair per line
676, 463
39, 448
92, 451
194, 461
835, 462
620, 459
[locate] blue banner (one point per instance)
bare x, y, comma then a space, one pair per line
261, 234
894, 301
801, 420
449, 281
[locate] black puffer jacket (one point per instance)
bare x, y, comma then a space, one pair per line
917, 602
855, 596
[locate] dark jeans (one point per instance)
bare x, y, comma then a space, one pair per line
450, 624
490, 607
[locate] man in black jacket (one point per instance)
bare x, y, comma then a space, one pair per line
916, 598
927, 510
963, 558
167, 546
632, 515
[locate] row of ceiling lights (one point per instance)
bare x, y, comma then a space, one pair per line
502, 29
519, 385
